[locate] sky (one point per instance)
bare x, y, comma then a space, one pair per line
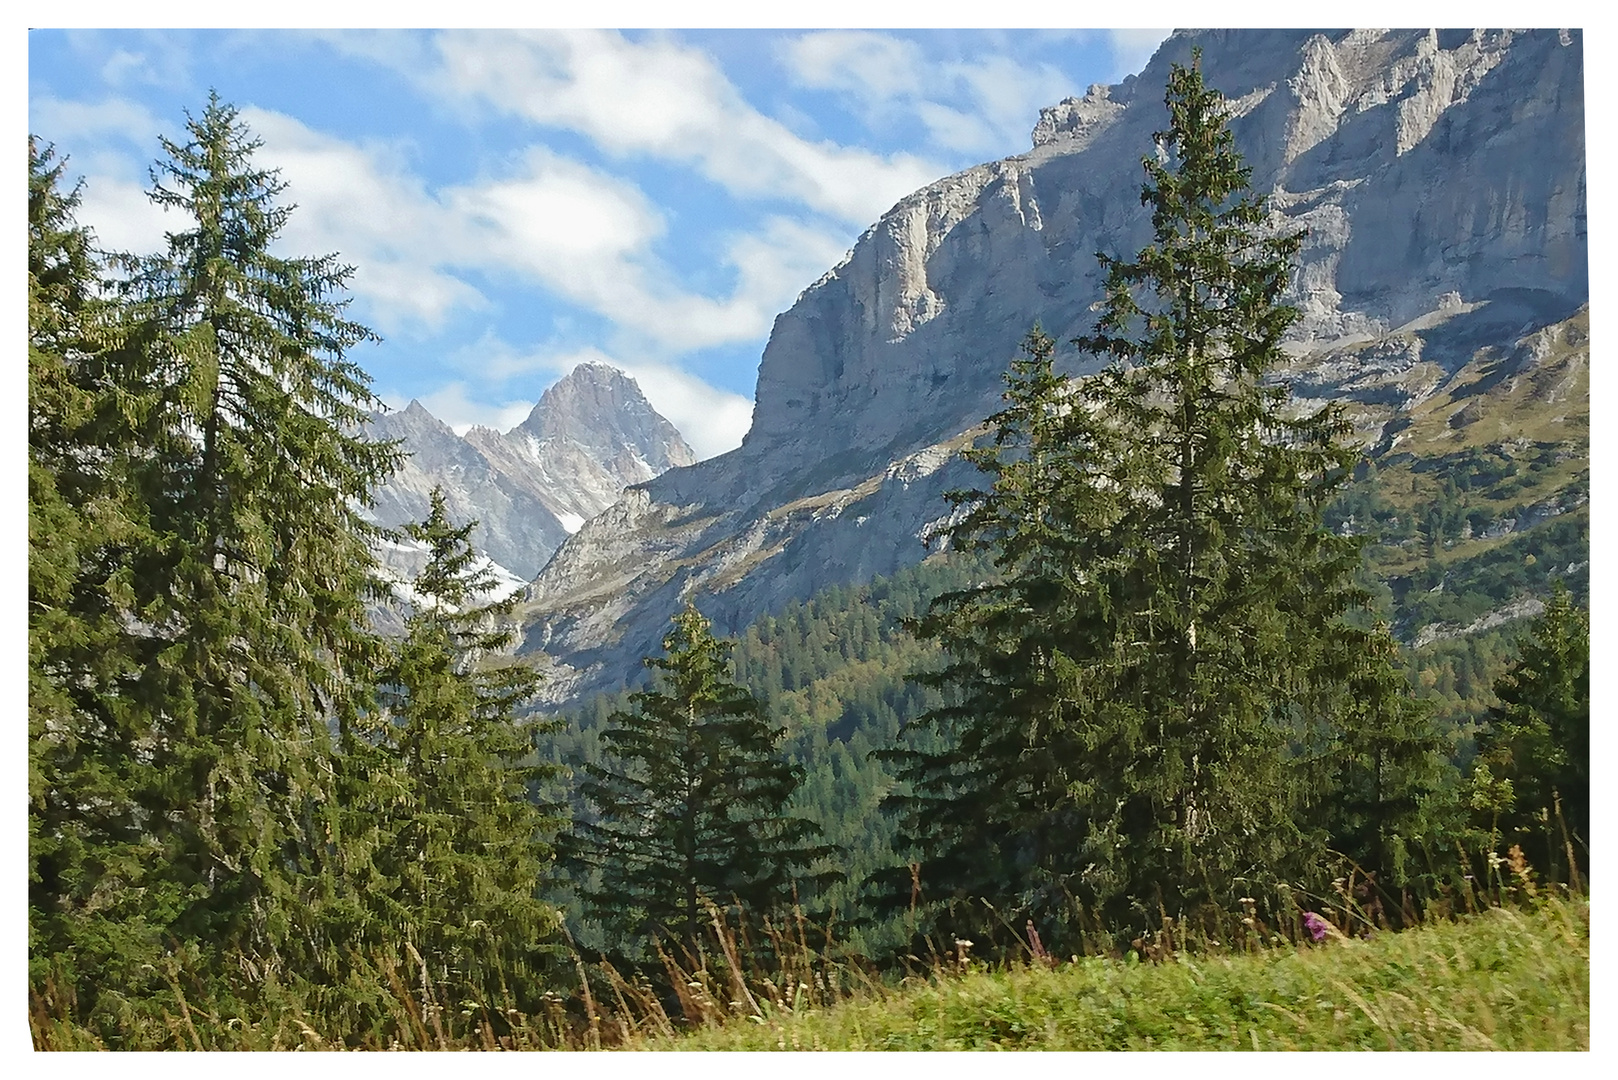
515, 203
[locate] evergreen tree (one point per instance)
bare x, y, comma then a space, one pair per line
255, 605
1384, 761
1535, 750
688, 806
94, 914
1127, 700
464, 850
988, 798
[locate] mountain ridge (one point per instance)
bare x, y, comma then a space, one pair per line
1440, 176
591, 434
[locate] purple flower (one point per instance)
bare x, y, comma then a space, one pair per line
1316, 926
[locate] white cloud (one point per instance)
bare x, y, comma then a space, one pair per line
363, 202
777, 262
124, 58
983, 106
89, 124
711, 420
402, 50
669, 101
1132, 48
875, 66
494, 360
122, 217
1008, 93
580, 233
588, 236
124, 66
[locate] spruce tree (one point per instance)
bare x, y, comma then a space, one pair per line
688, 806
95, 910
1172, 606
255, 605
1377, 777
1535, 749
463, 850
988, 772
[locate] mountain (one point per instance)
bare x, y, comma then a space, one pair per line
1440, 175
591, 435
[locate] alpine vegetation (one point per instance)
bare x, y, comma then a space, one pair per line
1207, 717
1164, 692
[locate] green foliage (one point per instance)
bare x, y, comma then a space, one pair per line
226, 818
988, 799
831, 670
256, 602
688, 806
1533, 760
95, 914
1171, 618
461, 849
1507, 979
1384, 765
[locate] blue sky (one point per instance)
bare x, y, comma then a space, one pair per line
515, 203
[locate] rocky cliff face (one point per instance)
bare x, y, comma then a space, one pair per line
1440, 174
591, 435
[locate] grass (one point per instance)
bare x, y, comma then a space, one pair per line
1511, 977
1504, 979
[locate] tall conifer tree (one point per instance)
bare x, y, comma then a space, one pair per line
988, 794
1373, 780
1172, 604
95, 912
463, 849
1538, 738
689, 805
258, 600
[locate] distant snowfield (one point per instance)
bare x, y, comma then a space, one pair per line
571, 522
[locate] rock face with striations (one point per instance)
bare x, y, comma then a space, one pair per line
591, 435
1439, 173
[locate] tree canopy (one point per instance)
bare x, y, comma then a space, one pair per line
688, 807
1130, 698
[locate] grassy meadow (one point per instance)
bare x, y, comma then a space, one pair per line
1503, 979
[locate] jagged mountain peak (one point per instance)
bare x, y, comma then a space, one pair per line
414, 417
592, 434
603, 409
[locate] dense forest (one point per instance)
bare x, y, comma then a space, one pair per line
1187, 651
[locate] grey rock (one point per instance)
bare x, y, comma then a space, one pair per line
591, 435
1440, 175
1525, 607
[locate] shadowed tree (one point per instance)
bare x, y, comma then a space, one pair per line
1535, 752
1171, 610
689, 803
96, 910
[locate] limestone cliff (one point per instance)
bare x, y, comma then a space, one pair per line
1439, 173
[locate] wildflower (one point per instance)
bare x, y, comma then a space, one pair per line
1315, 925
